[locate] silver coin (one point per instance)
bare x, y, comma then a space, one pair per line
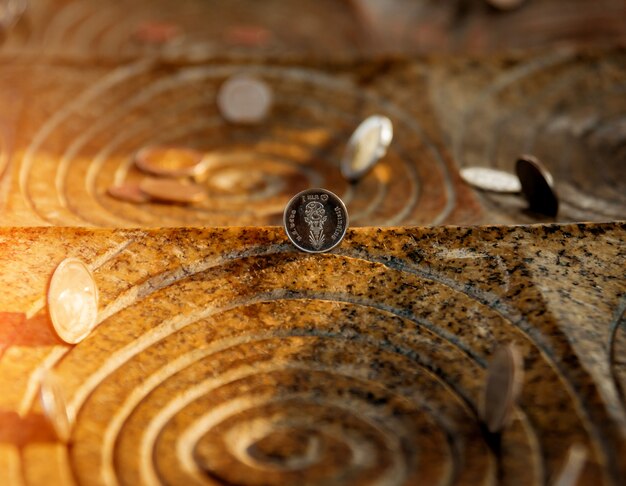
315, 220
367, 145
537, 186
244, 99
492, 180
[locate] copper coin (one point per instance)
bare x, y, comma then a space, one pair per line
315, 220
156, 32
244, 99
171, 161
171, 190
128, 192
487, 179
73, 300
54, 405
505, 375
537, 186
367, 145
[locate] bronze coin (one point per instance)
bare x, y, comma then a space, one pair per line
315, 220
169, 161
128, 193
171, 190
537, 186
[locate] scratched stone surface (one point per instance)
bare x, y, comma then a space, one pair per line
226, 356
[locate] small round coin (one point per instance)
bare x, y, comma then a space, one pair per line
487, 179
244, 99
505, 375
173, 191
315, 220
537, 186
73, 300
170, 161
367, 145
128, 193
54, 405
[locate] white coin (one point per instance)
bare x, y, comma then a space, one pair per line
367, 145
491, 179
244, 99
54, 405
73, 300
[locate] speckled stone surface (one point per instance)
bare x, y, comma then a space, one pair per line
226, 355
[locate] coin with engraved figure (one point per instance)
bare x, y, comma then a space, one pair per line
315, 220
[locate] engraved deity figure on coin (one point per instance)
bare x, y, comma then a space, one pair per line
315, 220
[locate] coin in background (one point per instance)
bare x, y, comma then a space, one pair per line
244, 99
171, 161
171, 190
128, 192
73, 300
315, 220
487, 179
367, 145
572, 466
505, 375
54, 405
537, 186
156, 32
506, 4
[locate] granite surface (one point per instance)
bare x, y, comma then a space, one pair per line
224, 355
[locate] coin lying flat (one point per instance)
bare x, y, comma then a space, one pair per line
572, 466
537, 186
171, 161
54, 405
315, 220
504, 384
128, 192
171, 190
367, 145
73, 300
156, 32
244, 99
487, 179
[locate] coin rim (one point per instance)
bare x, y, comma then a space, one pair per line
195, 170
342, 204
386, 126
54, 321
546, 175
49, 393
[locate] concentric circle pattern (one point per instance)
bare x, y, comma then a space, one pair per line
226, 357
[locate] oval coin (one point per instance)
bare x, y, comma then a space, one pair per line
129, 193
244, 99
54, 405
315, 220
73, 300
171, 161
492, 180
367, 145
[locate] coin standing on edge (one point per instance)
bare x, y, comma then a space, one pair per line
367, 145
244, 99
173, 191
169, 161
537, 186
315, 220
492, 180
54, 405
73, 300
505, 375
572, 467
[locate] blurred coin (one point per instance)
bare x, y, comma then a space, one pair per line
572, 466
506, 4
156, 32
170, 161
54, 405
537, 186
315, 220
73, 300
244, 99
492, 180
367, 145
505, 375
128, 192
170, 190
10, 12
